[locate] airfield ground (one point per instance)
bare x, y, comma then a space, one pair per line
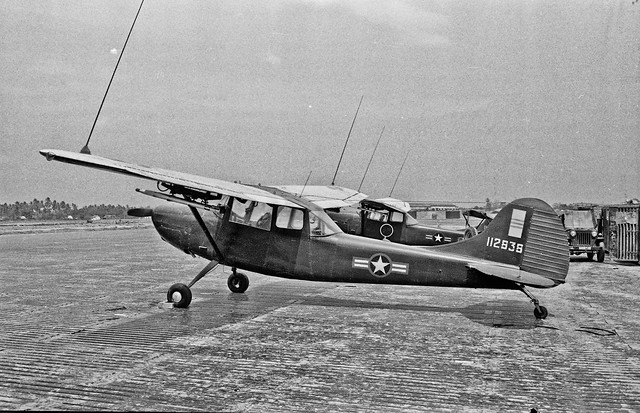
85, 327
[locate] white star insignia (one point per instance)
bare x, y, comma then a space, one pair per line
438, 237
380, 265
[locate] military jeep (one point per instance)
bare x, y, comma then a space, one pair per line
584, 232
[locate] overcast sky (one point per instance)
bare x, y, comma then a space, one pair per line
498, 99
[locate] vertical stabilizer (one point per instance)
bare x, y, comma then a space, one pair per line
528, 234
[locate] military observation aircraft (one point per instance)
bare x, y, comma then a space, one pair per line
273, 232
389, 219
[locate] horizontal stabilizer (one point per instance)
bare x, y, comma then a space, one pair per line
512, 273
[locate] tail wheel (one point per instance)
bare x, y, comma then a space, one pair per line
540, 312
179, 295
238, 282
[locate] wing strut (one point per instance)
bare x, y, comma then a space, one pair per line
212, 264
198, 217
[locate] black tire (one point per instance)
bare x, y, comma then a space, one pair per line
542, 314
600, 256
185, 295
238, 282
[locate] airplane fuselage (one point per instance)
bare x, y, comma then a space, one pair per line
295, 254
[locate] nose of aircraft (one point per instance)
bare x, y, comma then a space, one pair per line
177, 226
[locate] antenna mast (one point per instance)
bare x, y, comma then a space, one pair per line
371, 159
333, 181
399, 172
305, 183
85, 148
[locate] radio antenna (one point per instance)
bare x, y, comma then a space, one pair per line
333, 181
399, 172
371, 159
305, 183
85, 148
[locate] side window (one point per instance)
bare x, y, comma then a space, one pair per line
376, 215
251, 213
289, 218
396, 216
239, 211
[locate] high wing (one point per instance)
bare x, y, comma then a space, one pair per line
325, 196
394, 203
188, 185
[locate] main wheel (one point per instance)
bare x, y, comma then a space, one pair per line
600, 256
540, 314
238, 282
179, 295
470, 232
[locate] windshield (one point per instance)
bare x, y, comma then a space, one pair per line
321, 225
411, 221
578, 219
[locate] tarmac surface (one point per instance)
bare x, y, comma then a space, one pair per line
85, 327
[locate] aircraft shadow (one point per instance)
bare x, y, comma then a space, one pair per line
503, 314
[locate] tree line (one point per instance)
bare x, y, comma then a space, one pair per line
52, 209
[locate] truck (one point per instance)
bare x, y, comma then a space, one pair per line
584, 226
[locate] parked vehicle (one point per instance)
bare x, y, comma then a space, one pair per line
584, 232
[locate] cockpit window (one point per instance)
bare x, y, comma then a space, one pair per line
319, 228
373, 215
251, 213
396, 216
289, 218
411, 221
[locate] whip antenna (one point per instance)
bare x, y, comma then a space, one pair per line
371, 159
399, 172
333, 182
85, 148
305, 183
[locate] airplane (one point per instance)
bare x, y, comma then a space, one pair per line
484, 220
269, 231
384, 218
389, 219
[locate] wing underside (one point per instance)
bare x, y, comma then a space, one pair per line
325, 196
190, 186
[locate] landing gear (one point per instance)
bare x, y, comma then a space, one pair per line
238, 282
180, 295
540, 312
